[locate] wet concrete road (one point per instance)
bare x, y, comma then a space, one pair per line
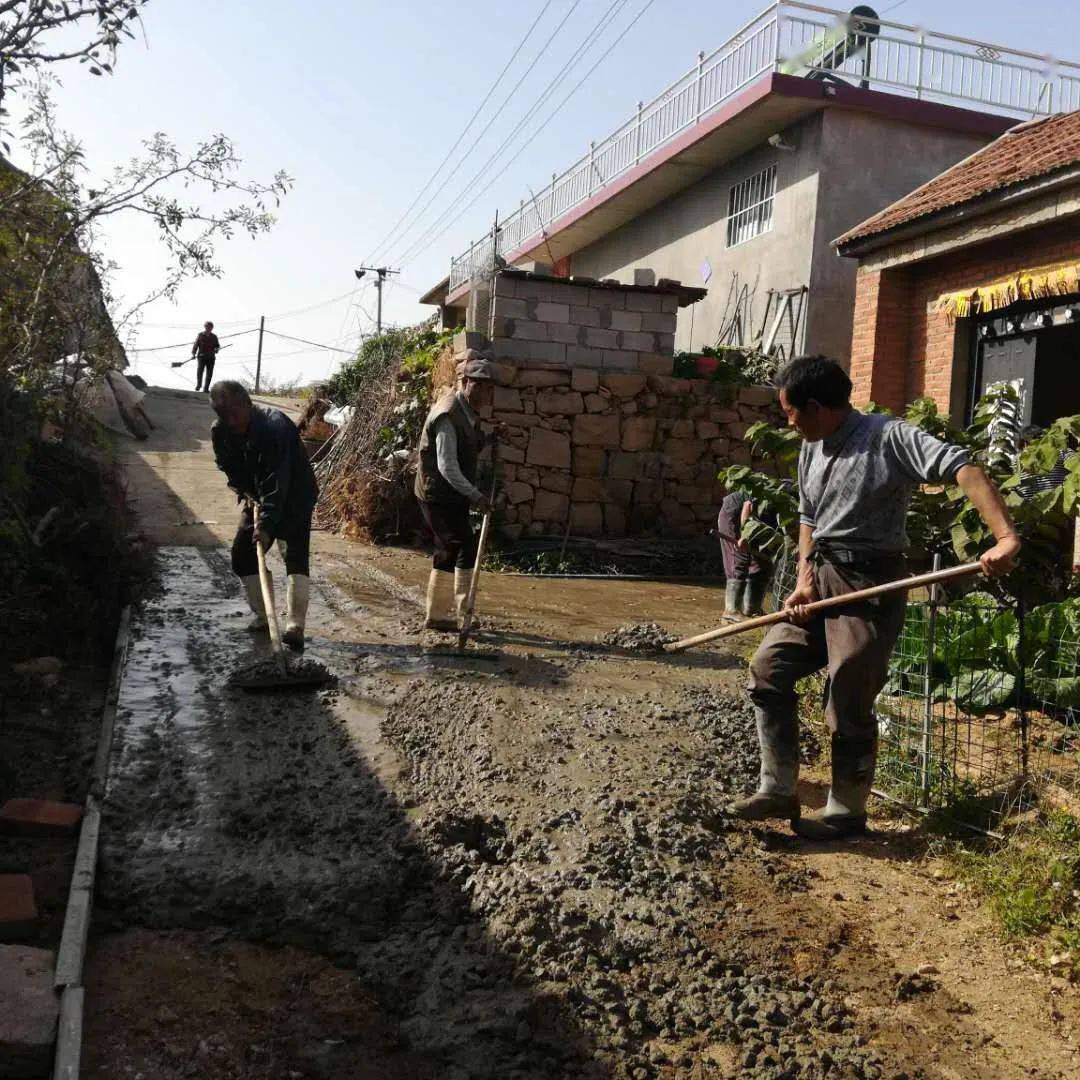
523, 860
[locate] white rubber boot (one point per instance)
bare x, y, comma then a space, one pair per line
440, 602
253, 592
297, 597
462, 582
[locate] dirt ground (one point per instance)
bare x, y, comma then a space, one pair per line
514, 864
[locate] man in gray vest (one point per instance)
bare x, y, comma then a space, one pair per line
857, 473
450, 446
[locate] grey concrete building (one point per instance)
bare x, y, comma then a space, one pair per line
738, 176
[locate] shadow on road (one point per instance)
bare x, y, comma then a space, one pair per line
265, 816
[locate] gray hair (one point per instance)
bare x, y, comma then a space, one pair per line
227, 391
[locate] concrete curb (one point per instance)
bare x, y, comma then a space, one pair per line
69, 1035
72, 951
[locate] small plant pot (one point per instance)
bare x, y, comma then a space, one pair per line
706, 365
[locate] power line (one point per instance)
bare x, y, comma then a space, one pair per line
254, 318
464, 131
185, 344
591, 38
304, 341
472, 146
558, 108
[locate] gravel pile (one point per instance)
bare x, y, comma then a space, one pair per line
611, 893
640, 637
730, 723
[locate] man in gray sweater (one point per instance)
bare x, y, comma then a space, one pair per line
857, 473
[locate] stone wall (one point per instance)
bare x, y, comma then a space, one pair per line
599, 435
617, 453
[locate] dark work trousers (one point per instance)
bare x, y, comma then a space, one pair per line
205, 365
295, 546
455, 541
854, 645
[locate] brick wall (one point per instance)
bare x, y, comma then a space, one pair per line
605, 327
903, 347
617, 453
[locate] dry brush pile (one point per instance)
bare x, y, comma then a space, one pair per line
366, 472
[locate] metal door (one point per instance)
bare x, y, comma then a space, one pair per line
1010, 360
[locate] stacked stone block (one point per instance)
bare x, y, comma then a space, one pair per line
614, 453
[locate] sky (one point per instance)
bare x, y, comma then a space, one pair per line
359, 103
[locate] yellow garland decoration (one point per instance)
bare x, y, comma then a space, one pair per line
1036, 284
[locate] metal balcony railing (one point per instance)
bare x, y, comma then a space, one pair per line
803, 39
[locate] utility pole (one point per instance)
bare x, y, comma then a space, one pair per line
381, 273
258, 356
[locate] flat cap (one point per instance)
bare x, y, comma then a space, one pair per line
472, 364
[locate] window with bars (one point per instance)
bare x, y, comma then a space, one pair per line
750, 207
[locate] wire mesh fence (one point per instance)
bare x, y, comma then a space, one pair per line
784, 572
980, 709
1053, 715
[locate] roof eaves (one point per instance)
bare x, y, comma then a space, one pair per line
975, 207
861, 229
437, 293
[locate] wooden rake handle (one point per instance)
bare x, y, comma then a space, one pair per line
935, 577
481, 547
271, 609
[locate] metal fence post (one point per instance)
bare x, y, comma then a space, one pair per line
1021, 687
637, 134
700, 85
592, 167
919, 76
928, 692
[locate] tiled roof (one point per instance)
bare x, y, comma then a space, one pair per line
1023, 153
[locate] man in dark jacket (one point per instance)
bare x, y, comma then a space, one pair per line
206, 348
450, 446
260, 452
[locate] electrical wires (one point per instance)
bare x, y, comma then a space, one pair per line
472, 119
468, 195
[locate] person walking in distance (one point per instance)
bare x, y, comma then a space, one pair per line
450, 445
857, 473
264, 461
206, 348
745, 573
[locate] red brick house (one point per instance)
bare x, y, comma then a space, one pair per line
974, 279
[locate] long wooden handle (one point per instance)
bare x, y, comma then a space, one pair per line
271, 611
470, 603
933, 578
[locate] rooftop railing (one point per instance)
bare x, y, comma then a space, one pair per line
799, 39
